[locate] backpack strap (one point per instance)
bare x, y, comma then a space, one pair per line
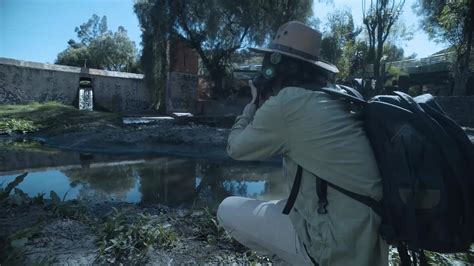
321, 190
294, 191
376, 206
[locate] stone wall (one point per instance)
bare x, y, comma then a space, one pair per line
459, 108
24, 82
181, 92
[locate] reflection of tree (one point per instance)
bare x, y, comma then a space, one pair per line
114, 181
168, 181
219, 181
211, 189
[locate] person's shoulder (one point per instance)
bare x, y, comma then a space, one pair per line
289, 93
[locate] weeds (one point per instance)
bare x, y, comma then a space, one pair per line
22, 126
12, 249
208, 229
434, 258
119, 240
64, 209
52, 117
5, 192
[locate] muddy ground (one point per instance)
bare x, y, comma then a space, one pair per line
71, 233
38, 231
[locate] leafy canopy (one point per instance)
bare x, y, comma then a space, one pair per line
100, 48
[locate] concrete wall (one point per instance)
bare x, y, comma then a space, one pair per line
460, 109
24, 82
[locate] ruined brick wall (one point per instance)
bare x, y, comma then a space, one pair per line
183, 58
24, 82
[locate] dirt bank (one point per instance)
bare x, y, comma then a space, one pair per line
163, 137
58, 233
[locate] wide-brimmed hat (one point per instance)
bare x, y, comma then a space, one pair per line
297, 40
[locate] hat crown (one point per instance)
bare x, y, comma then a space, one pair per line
298, 38
295, 39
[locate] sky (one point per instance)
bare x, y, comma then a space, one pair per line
420, 44
37, 30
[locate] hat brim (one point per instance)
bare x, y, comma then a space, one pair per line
327, 66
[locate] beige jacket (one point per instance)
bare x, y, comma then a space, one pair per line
319, 133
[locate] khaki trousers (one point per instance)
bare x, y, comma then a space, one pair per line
260, 226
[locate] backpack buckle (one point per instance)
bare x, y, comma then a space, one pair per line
322, 204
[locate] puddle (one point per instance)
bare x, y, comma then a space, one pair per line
172, 181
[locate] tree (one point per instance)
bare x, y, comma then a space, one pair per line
339, 43
452, 22
379, 17
76, 56
157, 19
392, 52
215, 29
99, 48
113, 51
92, 29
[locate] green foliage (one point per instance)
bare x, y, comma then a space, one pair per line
100, 48
434, 258
26, 145
339, 43
5, 192
379, 18
93, 28
444, 20
209, 229
120, 241
53, 116
12, 249
79, 57
9, 126
216, 29
451, 22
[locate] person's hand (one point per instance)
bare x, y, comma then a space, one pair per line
253, 91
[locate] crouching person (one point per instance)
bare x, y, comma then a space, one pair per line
318, 133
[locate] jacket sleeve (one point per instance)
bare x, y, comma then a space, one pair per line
258, 135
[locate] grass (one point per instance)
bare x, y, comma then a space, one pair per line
50, 116
12, 125
25, 145
121, 241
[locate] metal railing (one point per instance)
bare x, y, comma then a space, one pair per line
426, 61
444, 58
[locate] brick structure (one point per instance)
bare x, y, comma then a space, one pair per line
183, 58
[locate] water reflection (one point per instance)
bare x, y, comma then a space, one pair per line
114, 181
167, 180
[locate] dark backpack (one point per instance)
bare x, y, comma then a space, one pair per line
427, 166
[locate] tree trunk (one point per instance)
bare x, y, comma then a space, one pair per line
462, 69
377, 62
161, 103
217, 74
